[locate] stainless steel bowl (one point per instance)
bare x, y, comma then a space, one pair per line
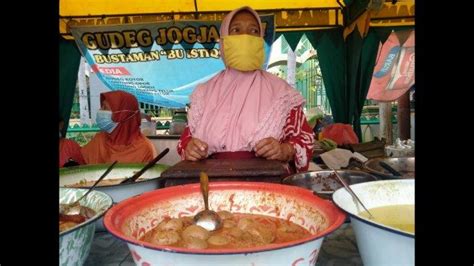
323, 183
404, 165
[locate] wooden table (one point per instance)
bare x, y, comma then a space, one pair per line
257, 169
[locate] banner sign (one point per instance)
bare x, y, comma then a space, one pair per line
160, 63
394, 72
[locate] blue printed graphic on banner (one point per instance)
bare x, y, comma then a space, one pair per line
389, 61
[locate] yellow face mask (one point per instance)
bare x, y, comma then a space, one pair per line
243, 52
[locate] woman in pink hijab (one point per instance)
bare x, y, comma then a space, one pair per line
244, 111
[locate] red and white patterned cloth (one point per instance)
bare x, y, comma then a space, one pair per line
296, 132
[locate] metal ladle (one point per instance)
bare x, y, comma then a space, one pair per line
207, 219
351, 191
75, 208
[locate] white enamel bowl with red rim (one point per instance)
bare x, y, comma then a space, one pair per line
132, 218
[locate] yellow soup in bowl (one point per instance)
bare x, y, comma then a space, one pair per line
401, 217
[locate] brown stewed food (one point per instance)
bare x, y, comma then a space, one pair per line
238, 231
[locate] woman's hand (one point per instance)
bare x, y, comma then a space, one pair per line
195, 150
272, 149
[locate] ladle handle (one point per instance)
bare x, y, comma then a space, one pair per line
204, 180
389, 168
350, 191
146, 167
98, 180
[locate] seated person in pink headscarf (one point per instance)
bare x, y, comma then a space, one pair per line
244, 111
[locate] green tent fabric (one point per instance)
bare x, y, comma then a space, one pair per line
384, 32
293, 38
354, 48
361, 56
353, 10
332, 60
69, 58
347, 68
361, 59
330, 46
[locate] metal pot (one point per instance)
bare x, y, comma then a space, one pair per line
404, 165
323, 183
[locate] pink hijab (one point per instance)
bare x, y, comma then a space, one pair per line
234, 110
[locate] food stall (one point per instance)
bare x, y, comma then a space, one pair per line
332, 27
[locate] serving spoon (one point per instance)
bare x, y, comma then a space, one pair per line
351, 191
209, 220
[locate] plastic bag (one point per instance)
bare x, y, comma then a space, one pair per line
340, 133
